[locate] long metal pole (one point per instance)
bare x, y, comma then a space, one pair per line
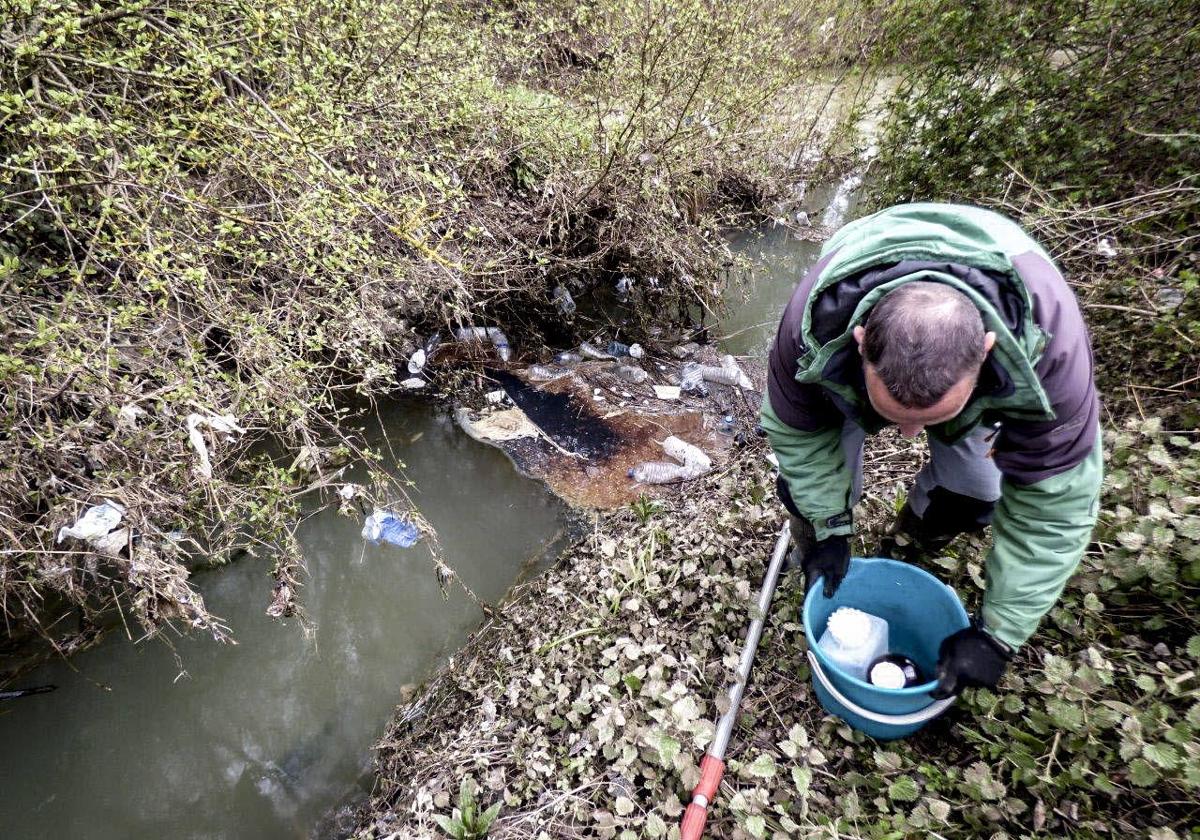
712, 766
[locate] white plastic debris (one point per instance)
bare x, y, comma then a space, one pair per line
1105, 249
666, 392
222, 424
413, 383
496, 397
416, 362
350, 491
95, 523
128, 415
693, 463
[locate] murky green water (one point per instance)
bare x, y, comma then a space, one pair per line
259, 740
781, 260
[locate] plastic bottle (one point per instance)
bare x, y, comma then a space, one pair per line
853, 640
544, 373
590, 351
693, 464
490, 334
563, 300
616, 348
725, 426
631, 373
894, 670
691, 379
568, 358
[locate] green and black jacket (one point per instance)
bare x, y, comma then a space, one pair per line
1036, 384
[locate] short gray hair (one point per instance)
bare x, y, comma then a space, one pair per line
922, 338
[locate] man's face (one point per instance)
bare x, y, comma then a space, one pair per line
912, 421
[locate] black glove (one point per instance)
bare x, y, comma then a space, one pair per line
828, 559
970, 657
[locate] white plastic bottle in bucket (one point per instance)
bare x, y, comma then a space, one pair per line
853, 640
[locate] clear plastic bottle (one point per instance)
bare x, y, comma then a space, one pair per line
853, 640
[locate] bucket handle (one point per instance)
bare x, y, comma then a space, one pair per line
928, 713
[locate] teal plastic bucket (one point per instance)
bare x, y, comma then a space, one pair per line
920, 611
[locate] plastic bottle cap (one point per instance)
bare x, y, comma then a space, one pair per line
850, 627
887, 675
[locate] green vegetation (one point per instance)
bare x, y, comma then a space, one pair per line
251, 208
1082, 119
465, 821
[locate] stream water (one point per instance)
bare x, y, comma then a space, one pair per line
780, 259
259, 740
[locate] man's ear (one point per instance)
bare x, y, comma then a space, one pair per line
989, 341
860, 333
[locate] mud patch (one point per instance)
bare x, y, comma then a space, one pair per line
595, 427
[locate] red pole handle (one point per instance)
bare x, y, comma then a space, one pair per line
711, 771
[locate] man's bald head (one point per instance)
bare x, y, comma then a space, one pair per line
922, 339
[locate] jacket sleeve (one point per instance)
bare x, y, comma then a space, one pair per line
805, 430
1049, 498
1039, 532
813, 465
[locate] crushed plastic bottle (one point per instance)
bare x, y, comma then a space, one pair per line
725, 426
389, 527
616, 348
854, 639
631, 373
591, 351
693, 463
691, 379
563, 300
479, 335
567, 358
545, 373
413, 383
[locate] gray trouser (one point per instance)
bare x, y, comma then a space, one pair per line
954, 492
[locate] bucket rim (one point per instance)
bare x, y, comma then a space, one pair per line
811, 636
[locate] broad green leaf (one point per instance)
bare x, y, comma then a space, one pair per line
904, 789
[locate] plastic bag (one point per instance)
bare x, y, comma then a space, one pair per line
389, 527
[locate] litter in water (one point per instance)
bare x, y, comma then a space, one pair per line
389, 527
479, 335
